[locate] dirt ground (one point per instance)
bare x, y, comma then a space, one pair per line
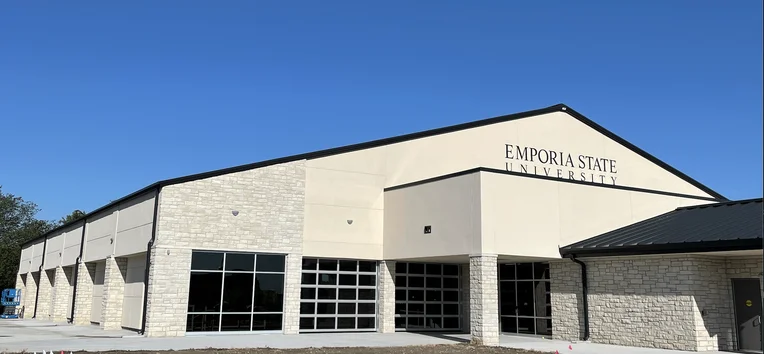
426, 349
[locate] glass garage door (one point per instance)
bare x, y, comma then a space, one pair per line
427, 297
235, 292
524, 298
338, 295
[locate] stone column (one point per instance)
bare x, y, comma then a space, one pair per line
21, 285
113, 293
60, 295
28, 297
484, 299
386, 304
83, 296
291, 319
167, 301
45, 296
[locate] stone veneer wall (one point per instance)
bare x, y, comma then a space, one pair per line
484, 299
386, 302
60, 295
198, 215
651, 301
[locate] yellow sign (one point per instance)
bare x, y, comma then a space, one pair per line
748, 303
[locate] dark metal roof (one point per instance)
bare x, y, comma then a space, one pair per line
727, 226
155, 187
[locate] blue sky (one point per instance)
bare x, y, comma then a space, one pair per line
99, 99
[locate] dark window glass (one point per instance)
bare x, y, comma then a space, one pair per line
540, 271
364, 266
524, 298
366, 294
450, 269
239, 262
543, 326
202, 323
507, 298
326, 308
235, 322
307, 308
327, 264
270, 263
416, 295
416, 268
346, 308
327, 279
346, 323
451, 283
327, 294
509, 324
433, 322
307, 293
450, 309
400, 322
366, 308
347, 279
526, 325
433, 309
348, 266
206, 261
451, 322
416, 322
365, 322
237, 293
307, 323
309, 278
401, 268
400, 281
433, 282
433, 269
451, 296
524, 271
433, 295
325, 323
266, 322
416, 309
400, 295
539, 298
416, 282
309, 263
269, 292
204, 292
507, 271
347, 294
367, 280
400, 309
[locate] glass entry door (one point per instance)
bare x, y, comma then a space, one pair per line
525, 303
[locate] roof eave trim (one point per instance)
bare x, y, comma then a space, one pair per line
674, 248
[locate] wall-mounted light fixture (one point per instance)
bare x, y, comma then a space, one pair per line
350, 222
428, 229
235, 212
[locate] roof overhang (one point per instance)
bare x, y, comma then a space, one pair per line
671, 248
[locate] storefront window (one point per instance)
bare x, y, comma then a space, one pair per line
524, 298
427, 297
235, 292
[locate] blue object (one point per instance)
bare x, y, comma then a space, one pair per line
9, 299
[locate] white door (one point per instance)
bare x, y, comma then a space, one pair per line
132, 306
95, 309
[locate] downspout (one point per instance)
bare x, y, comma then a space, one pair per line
77, 268
37, 291
585, 296
148, 262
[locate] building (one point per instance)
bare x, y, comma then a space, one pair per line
540, 223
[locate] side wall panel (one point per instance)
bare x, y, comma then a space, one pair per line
135, 225
132, 306
99, 236
72, 243
54, 250
37, 249
26, 260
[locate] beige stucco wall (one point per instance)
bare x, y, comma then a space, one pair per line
71, 246
555, 214
134, 225
350, 186
451, 207
37, 250
26, 259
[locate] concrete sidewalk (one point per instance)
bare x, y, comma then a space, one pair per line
36, 336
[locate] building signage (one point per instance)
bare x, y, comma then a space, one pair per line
560, 164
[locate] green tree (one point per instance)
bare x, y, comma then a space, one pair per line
18, 224
77, 214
